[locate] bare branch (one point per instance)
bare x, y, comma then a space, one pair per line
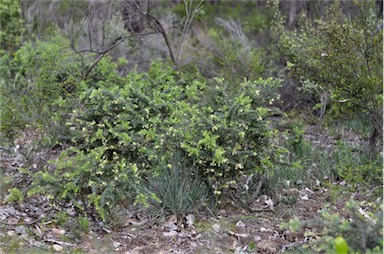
190, 13
135, 9
112, 45
165, 36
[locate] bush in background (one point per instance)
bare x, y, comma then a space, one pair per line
12, 26
32, 80
339, 57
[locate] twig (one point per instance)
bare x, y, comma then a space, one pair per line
190, 15
58, 242
108, 48
115, 43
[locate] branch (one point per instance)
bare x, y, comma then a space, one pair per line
190, 15
115, 43
158, 26
164, 34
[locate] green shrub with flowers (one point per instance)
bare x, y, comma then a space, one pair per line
126, 127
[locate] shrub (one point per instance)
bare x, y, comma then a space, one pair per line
125, 128
32, 79
361, 229
340, 56
362, 232
12, 26
358, 170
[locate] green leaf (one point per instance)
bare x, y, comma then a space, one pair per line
341, 245
14, 195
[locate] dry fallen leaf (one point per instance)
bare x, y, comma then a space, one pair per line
216, 227
134, 222
262, 229
172, 219
39, 232
106, 230
267, 246
309, 191
170, 233
190, 220
294, 192
136, 250
57, 231
244, 235
116, 244
240, 224
366, 215
11, 233
13, 221
57, 247
270, 203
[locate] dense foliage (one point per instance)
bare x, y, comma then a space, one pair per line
129, 128
35, 77
320, 52
12, 26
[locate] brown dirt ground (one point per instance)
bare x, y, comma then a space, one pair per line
27, 227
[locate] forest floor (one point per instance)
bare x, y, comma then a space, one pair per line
230, 231
27, 227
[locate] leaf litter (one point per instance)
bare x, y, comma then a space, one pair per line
30, 224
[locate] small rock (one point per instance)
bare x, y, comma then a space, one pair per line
57, 247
